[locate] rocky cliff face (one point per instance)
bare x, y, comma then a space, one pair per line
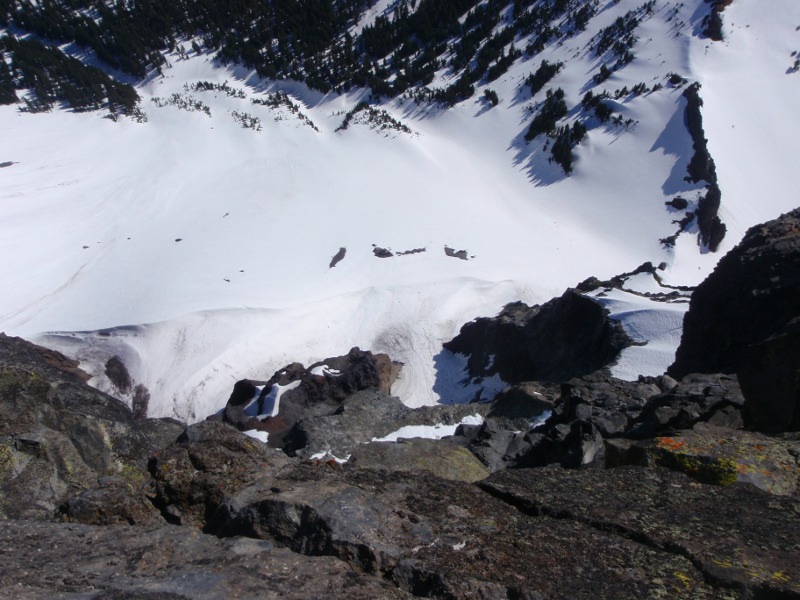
744, 319
65, 446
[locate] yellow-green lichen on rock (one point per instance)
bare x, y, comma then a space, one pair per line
440, 458
722, 456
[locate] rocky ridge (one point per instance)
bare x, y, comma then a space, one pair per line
574, 484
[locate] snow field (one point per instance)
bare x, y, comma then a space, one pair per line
198, 250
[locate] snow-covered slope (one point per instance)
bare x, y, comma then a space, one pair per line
199, 250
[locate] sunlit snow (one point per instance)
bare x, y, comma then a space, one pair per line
198, 251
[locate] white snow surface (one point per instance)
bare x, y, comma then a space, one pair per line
198, 250
431, 432
655, 325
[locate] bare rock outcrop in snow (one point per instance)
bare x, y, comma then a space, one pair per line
563, 338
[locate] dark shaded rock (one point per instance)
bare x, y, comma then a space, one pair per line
117, 373
712, 229
54, 560
523, 402
702, 168
701, 165
412, 251
338, 257
321, 391
442, 458
770, 377
712, 24
590, 284
605, 399
490, 442
208, 462
564, 338
140, 401
737, 537
697, 398
752, 295
451, 252
678, 203
59, 437
572, 445
382, 252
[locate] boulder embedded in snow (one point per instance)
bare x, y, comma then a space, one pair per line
566, 337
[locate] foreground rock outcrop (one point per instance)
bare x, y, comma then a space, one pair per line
65, 446
744, 319
42, 561
421, 518
561, 487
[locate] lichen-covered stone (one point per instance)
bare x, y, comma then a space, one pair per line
441, 458
207, 463
721, 456
740, 537
59, 437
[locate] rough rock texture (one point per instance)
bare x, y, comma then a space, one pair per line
442, 458
42, 561
321, 391
719, 456
399, 520
549, 533
207, 463
59, 437
752, 295
566, 337
737, 537
363, 416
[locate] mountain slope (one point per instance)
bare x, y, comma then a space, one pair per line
197, 245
